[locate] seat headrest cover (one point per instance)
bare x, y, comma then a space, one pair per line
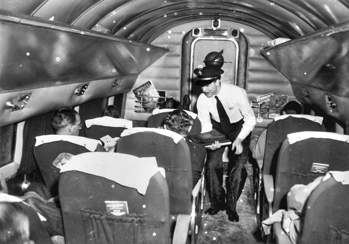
175, 136
109, 121
316, 119
167, 110
339, 176
303, 135
89, 144
125, 169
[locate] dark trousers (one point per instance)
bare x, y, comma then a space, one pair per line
237, 173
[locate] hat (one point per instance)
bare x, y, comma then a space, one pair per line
206, 75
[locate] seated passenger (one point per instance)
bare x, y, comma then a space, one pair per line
180, 122
53, 226
107, 128
14, 224
172, 103
257, 144
66, 121
297, 197
111, 111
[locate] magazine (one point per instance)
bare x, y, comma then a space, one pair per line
147, 97
208, 138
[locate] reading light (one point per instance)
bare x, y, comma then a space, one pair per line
80, 91
18, 103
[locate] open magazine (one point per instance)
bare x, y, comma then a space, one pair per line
208, 138
147, 97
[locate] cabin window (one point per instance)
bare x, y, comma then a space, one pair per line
7, 142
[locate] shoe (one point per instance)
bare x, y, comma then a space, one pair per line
213, 211
233, 217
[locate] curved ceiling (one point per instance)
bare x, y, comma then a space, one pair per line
146, 19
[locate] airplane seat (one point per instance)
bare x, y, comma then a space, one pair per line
48, 147
303, 157
326, 214
324, 217
277, 132
114, 198
172, 153
157, 119
98, 127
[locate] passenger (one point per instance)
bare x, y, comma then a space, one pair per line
53, 225
111, 111
14, 224
180, 122
257, 144
297, 197
235, 119
66, 121
172, 103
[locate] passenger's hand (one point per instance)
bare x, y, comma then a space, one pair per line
110, 144
237, 144
214, 146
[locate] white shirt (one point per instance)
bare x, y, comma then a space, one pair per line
235, 103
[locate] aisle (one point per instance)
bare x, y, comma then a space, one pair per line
218, 229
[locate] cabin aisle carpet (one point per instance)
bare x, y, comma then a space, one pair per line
218, 229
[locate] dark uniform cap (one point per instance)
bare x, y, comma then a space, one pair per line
207, 75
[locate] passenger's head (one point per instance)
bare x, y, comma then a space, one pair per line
208, 78
14, 224
178, 121
172, 103
66, 121
111, 111
292, 107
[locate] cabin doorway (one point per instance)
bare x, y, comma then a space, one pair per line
200, 48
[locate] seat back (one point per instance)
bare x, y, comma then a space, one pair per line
326, 214
277, 132
173, 156
306, 155
157, 120
45, 153
99, 127
87, 218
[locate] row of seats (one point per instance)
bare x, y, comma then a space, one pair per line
168, 212
297, 151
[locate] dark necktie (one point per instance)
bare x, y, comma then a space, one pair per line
223, 117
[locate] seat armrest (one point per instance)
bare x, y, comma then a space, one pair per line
268, 182
196, 190
181, 231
